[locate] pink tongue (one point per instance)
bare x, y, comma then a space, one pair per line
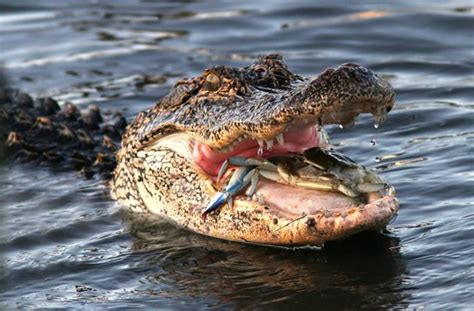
296, 141
295, 201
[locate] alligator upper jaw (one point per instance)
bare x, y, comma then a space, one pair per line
218, 120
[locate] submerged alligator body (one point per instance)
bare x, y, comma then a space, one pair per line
236, 153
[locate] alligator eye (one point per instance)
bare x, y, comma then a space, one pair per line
213, 82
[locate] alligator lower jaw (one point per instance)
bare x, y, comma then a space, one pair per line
269, 225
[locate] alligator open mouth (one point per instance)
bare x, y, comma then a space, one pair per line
296, 172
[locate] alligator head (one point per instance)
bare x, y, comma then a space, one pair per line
253, 137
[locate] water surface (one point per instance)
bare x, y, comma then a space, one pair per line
66, 244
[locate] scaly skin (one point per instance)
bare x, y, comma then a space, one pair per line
156, 174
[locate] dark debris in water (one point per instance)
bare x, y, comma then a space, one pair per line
39, 130
83, 288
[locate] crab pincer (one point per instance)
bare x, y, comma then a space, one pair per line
240, 179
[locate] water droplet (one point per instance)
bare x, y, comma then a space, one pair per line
341, 126
376, 125
280, 139
260, 151
373, 142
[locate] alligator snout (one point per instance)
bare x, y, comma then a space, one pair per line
340, 95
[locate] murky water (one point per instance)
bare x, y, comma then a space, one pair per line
65, 244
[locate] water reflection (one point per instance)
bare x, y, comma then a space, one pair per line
361, 271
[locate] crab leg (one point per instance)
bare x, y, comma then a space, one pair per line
252, 189
222, 170
284, 176
241, 161
261, 163
364, 181
370, 187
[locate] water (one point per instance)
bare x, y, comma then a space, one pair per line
65, 244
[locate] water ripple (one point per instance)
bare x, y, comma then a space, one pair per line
66, 244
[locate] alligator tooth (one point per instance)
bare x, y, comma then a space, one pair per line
318, 123
269, 144
223, 150
349, 124
261, 143
323, 138
391, 191
280, 139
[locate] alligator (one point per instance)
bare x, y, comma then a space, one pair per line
237, 153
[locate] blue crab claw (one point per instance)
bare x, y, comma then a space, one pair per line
241, 178
216, 202
244, 162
